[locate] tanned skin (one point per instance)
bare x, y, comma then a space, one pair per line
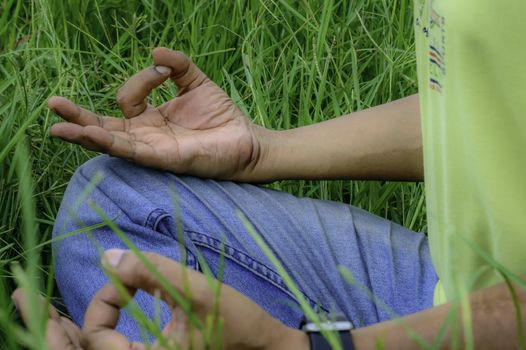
201, 132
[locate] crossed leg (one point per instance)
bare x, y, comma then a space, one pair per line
313, 239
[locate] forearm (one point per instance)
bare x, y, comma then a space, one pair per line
381, 143
494, 324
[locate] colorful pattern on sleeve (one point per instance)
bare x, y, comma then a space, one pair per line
471, 71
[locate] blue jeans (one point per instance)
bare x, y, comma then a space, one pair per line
312, 239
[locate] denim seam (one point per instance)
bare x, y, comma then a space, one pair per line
197, 238
152, 222
154, 218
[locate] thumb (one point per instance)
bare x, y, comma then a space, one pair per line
185, 74
153, 273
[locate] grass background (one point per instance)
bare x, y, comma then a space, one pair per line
286, 63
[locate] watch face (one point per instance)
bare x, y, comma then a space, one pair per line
328, 322
328, 326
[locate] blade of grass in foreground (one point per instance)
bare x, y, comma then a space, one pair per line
331, 337
29, 278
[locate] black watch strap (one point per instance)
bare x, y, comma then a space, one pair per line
318, 341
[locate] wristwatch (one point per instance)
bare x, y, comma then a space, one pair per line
332, 322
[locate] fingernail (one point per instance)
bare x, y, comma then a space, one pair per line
163, 70
113, 256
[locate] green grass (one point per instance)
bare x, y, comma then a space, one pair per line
286, 63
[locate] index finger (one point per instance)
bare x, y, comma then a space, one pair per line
131, 97
185, 74
177, 285
101, 319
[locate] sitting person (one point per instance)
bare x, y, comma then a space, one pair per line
473, 183
202, 133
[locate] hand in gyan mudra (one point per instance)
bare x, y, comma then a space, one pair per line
199, 132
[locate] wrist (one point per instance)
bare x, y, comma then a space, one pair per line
266, 147
283, 155
290, 339
295, 154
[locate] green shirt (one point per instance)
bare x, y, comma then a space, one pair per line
472, 76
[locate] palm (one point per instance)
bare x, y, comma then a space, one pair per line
200, 132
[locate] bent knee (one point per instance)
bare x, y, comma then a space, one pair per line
110, 175
100, 167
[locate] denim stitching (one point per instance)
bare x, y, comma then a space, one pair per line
153, 219
244, 260
152, 222
259, 269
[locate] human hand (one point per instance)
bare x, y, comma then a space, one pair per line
236, 321
61, 333
200, 132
